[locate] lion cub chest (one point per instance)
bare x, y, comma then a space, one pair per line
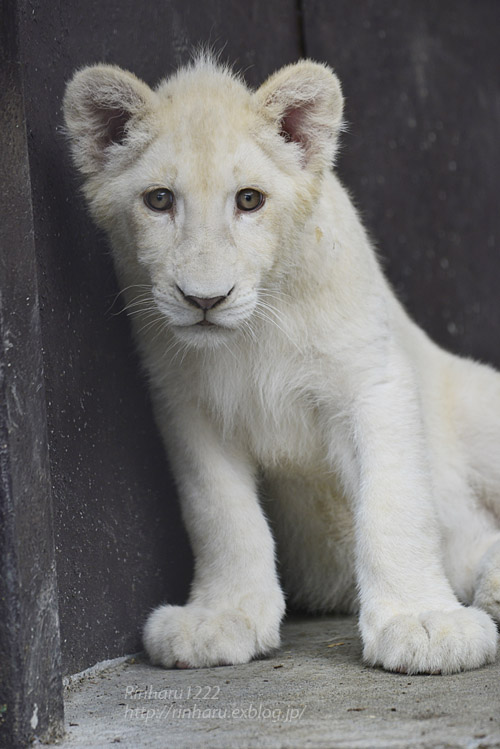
269, 407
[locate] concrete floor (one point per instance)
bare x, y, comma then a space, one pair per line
315, 692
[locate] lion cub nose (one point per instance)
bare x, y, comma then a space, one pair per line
204, 303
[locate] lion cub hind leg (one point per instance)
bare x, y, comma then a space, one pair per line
478, 425
478, 411
487, 595
313, 527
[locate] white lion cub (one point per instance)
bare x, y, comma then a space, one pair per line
300, 406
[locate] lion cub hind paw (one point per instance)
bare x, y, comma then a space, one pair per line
193, 636
434, 642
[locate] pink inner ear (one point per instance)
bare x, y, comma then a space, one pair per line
113, 123
294, 125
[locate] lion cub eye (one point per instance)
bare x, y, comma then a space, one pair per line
159, 199
249, 199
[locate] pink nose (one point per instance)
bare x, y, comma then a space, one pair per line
205, 303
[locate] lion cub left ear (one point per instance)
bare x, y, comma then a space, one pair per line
305, 103
105, 111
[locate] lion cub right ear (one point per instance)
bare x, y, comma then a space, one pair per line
104, 108
304, 103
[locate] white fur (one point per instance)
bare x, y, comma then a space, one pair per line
313, 408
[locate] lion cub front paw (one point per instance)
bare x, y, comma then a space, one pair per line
195, 636
433, 642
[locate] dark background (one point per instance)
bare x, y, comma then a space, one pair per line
421, 156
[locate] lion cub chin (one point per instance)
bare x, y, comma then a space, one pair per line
292, 390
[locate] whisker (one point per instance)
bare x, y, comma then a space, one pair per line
274, 292
260, 312
230, 350
122, 291
143, 311
169, 348
134, 303
186, 349
161, 329
270, 308
149, 325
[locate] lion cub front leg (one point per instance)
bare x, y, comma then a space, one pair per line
410, 619
236, 604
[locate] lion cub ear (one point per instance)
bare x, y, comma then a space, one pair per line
305, 103
104, 107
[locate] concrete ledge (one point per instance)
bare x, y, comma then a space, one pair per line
315, 692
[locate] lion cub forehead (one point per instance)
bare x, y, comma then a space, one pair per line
206, 92
208, 120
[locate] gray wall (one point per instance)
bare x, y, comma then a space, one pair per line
422, 154
421, 159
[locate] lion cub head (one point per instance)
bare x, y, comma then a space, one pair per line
203, 185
